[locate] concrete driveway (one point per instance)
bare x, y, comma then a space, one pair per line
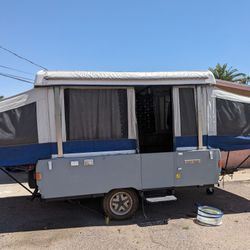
80, 224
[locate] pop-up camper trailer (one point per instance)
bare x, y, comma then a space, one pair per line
121, 134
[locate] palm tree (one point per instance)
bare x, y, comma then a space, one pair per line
223, 72
245, 80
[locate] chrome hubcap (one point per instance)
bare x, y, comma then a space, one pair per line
121, 203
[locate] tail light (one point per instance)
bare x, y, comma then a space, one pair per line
37, 176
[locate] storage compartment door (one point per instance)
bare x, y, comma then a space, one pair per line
197, 167
157, 170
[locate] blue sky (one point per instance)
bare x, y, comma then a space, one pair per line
131, 35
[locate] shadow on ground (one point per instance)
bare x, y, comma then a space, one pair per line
20, 214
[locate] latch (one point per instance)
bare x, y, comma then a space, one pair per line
211, 154
50, 166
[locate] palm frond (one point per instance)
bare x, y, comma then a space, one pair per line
224, 72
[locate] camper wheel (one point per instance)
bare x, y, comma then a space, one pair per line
120, 204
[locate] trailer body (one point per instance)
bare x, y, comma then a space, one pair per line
94, 175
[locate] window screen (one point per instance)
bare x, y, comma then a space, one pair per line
187, 112
233, 118
19, 126
154, 111
162, 107
96, 114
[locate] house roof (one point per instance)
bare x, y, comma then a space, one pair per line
236, 88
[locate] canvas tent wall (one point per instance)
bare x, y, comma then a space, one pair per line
27, 127
232, 121
237, 158
226, 120
192, 79
28, 123
56, 103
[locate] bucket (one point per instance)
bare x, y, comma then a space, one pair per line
210, 216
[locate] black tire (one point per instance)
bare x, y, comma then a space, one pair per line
120, 204
210, 190
31, 179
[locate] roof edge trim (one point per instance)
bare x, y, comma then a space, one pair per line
46, 78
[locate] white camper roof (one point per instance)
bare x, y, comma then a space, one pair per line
66, 78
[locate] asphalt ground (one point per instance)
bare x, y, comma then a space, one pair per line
80, 224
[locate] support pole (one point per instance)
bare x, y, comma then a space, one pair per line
16, 180
58, 121
199, 116
239, 166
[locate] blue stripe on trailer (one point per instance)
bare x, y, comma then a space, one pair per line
229, 143
188, 141
96, 146
226, 143
30, 154
25, 154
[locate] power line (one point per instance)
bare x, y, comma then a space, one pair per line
17, 70
16, 78
22, 77
19, 78
21, 57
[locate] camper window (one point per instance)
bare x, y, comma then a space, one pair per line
154, 117
19, 126
95, 114
233, 118
187, 112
